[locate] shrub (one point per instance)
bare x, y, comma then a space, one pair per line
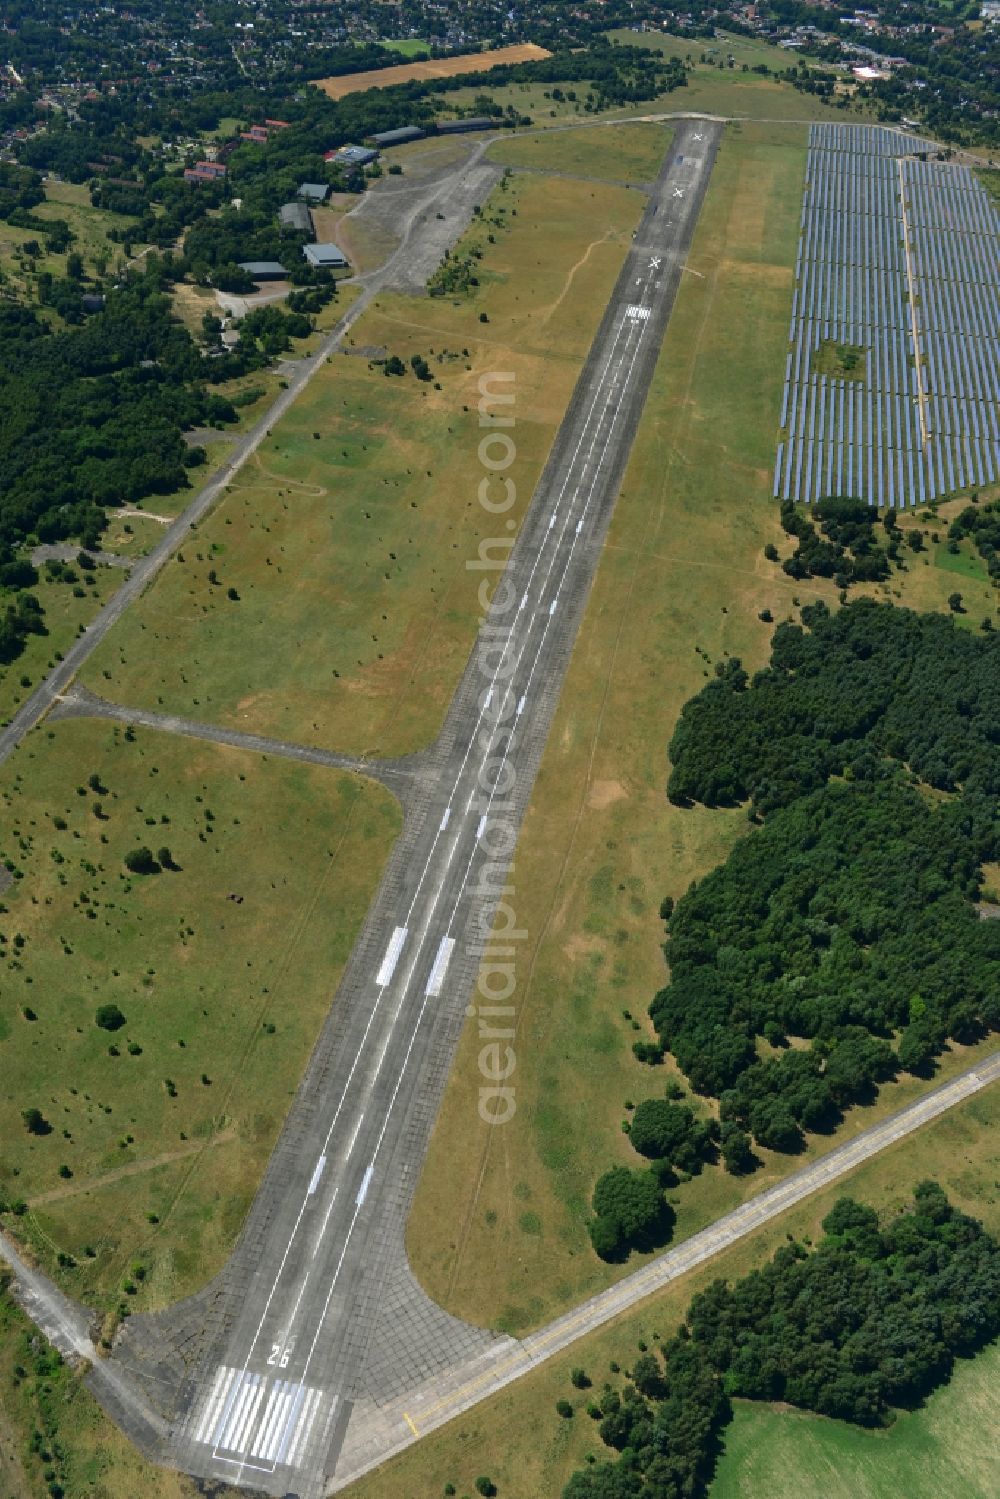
35, 1122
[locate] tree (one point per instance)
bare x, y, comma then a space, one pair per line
141, 861
35, 1122
737, 1153
955, 603
672, 1132
868, 1320
773, 1127
647, 1376
109, 1017
165, 858
605, 1237
919, 1045
629, 1207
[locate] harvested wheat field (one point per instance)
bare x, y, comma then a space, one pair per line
440, 67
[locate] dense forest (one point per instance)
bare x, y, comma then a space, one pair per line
869, 1321
840, 942
868, 750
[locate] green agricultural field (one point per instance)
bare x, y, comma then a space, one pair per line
622, 153
681, 585
221, 964
346, 539
949, 1448
518, 1440
410, 46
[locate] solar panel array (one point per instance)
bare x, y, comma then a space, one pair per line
900, 257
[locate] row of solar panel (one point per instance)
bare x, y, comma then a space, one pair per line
879, 140
924, 420
895, 477
843, 407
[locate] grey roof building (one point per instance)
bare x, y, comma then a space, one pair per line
325, 256
397, 137
355, 156
264, 270
314, 192
295, 216
457, 127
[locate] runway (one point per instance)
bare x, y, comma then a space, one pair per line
315, 1309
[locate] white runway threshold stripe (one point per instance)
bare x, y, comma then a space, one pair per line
391, 958
317, 1173
254, 1421
441, 960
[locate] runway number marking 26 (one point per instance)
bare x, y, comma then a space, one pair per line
279, 1355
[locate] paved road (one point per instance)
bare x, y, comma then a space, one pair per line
316, 1308
65, 553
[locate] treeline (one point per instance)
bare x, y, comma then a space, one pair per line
869, 1321
849, 918
868, 683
